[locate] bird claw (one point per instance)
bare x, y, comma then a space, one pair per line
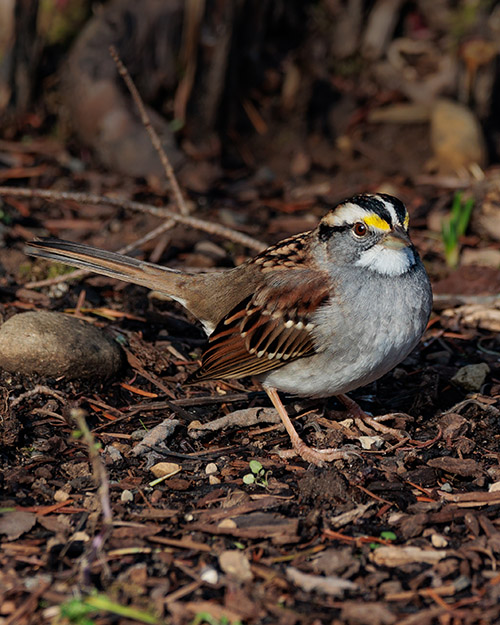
366, 421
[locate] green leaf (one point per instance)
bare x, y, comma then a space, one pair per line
455, 226
464, 217
208, 619
249, 478
176, 125
102, 602
255, 467
75, 609
388, 535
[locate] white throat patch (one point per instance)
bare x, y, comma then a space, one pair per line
387, 262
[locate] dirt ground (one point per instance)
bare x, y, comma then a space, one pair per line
406, 532
130, 497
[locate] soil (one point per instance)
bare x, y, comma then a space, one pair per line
406, 531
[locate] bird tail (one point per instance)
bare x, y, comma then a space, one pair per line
119, 266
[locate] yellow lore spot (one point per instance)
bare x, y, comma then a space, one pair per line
406, 222
375, 221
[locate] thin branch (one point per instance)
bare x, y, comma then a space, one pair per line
100, 476
39, 389
153, 135
164, 213
89, 198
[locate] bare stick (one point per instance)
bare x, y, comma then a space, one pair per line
38, 390
89, 198
122, 203
153, 135
100, 476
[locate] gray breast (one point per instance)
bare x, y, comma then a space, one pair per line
362, 333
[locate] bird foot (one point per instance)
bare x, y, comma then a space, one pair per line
362, 420
376, 425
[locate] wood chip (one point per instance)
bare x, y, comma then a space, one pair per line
458, 466
348, 517
237, 419
257, 525
472, 500
331, 585
156, 436
391, 555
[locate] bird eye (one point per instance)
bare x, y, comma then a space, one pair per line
360, 229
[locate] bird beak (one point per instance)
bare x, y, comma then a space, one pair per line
397, 239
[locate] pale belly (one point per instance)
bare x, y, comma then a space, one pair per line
326, 374
359, 343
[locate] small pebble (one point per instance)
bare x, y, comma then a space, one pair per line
471, 377
113, 453
138, 435
438, 541
164, 468
371, 442
213, 480
126, 496
61, 495
209, 575
156, 495
228, 524
235, 564
446, 487
52, 344
211, 468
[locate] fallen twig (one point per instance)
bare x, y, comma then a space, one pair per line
162, 212
101, 479
153, 135
39, 389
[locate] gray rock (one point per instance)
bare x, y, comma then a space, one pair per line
471, 377
52, 344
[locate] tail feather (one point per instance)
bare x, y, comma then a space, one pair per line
208, 296
107, 263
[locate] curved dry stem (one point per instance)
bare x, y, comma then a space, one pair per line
164, 213
153, 135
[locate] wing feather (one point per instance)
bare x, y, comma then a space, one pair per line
267, 330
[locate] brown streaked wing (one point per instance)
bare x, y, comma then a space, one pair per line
268, 329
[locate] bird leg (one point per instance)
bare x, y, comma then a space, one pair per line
361, 418
309, 454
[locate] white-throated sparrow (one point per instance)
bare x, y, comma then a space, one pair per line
318, 314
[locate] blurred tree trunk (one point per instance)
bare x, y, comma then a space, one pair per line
25, 53
19, 55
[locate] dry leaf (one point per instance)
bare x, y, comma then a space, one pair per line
16, 523
331, 585
235, 564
